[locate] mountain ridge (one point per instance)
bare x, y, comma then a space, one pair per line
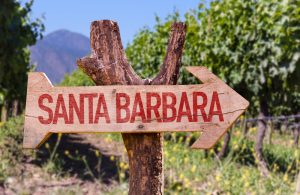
57, 52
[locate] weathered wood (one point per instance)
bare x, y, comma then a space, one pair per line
238, 105
109, 66
210, 107
169, 71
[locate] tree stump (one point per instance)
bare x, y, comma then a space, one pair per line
107, 65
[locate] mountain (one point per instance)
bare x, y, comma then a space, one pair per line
57, 52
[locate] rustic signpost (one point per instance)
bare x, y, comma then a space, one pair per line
132, 106
210, 107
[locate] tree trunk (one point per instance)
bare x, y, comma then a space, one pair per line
244, 127
14, 112
224, 149
284, 126
270, 132
262, 125
4, 112
108, 65
296, 131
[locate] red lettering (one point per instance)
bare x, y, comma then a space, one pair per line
60, 105
101, 103
184, 103
200, 107
170, 106
215, 102
91, 105
45, 108
138, 104
78, 109
154, 107
120, 107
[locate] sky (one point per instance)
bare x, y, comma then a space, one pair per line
131, 15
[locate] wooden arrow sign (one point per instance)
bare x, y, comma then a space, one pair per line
210, 107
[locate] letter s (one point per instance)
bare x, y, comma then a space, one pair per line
45, 108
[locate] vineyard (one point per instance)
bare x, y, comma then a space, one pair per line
253, 46
81, 161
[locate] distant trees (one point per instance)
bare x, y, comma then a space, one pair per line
77, 78
253, 45
17, 32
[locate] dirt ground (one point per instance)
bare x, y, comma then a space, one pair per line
72, 177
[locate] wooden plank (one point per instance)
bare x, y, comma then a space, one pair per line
210, 107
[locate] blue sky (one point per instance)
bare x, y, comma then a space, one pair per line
131, 15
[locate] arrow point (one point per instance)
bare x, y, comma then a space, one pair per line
211, 136
202, 144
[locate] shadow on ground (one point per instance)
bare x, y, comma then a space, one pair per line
75, 156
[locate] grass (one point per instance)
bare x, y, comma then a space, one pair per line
11, 153
190, 172
186, 171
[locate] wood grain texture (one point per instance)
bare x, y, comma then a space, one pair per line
232, 106
108, 65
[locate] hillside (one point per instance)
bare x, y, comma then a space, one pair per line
57, 52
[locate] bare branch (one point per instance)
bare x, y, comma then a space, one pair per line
169, 71
107, 64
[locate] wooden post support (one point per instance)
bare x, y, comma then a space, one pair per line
107, 65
